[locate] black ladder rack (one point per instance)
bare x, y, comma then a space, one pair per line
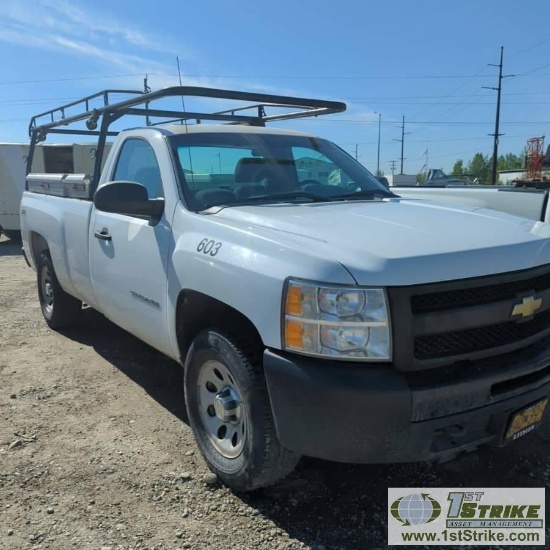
57, 121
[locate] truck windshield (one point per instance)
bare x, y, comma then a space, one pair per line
226, 168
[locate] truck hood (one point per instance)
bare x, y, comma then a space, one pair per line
396, 242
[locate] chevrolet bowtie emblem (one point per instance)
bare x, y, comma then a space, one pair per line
527, 307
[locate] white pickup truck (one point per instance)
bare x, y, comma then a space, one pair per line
315, 312
527, 202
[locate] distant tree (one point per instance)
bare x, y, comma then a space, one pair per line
379, 173
480, 167
509, 162
458, 168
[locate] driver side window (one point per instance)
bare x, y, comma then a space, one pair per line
137, 162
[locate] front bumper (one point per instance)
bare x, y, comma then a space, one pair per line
361, 413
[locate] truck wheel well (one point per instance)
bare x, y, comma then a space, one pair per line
38, 244
197, 311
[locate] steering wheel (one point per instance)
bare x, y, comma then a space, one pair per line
351, 186
309, 182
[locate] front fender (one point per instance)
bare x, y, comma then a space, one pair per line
242, 269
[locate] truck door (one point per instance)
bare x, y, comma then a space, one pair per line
129, 257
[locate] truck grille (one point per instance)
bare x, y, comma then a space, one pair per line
471, 340
439, 324
437, 301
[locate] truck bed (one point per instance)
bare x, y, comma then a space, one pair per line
63, 222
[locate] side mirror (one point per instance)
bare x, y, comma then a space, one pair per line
128, 198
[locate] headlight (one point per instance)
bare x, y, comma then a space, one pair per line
340, 322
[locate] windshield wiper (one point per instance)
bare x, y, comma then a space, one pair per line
313, 197
286, 196
367, 194
283, 197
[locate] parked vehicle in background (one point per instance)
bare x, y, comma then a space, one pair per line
437, 177
314, 311
13, 157
401, 179
60, 158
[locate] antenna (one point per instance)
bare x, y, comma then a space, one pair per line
146, 87
146, 90
182, 97
186, 127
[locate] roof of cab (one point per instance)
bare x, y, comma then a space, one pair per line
177, 129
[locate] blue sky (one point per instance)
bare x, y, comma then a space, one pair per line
427, 60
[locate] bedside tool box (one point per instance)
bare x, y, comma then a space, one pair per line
76, 186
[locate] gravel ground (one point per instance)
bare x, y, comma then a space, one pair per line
96, 453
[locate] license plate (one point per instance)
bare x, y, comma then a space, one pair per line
525, 420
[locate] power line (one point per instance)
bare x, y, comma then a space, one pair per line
255, 77
533, 70
433, 140
456, 154
455, 90
71, 79
527, 49
267, 77
435, 123
373, 98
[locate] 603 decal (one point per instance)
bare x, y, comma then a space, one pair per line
208, 246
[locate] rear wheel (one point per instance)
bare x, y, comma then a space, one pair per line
60, 310
230, 414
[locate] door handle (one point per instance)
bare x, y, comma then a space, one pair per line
102, 235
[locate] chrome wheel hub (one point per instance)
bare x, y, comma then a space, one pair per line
227, 405
222, 412
47, 290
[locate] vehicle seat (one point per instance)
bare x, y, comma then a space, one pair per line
275, 175
211, 197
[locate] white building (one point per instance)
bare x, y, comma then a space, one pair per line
505, 177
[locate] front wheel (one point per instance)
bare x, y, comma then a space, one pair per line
60, 310
230, 414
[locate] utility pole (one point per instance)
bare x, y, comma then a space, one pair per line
378, 158
497, 120
402, 140
392, 162
356, 149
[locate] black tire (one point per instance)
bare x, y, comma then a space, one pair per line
262, 460
60, 310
